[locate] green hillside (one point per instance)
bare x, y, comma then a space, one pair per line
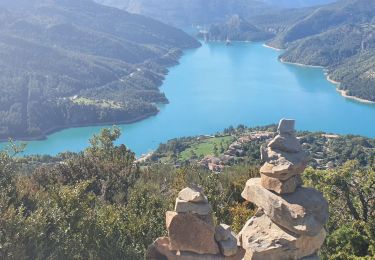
52, 52
102, 204
339, 37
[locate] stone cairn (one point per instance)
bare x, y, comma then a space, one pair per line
192, 233
290, 221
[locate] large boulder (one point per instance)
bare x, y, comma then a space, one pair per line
189, 233
279, 186
262, 239
283, 165
303, 212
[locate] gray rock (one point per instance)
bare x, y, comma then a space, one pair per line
183, 206
222, 232
279, 186
286, 143
286, 126
192, 195
189, 233
263, 239
303, 212
229, 247
283, 165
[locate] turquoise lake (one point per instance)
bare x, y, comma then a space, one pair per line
216, 86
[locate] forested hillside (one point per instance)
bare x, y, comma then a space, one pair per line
236, 28
187, 12
102, 204
339, 37
184, 13
297, 3
333, 34
65, 63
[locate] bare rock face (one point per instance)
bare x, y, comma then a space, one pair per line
189, 233
279, 186
303, 212
263, 239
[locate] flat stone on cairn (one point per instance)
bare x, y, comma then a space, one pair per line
268, 241
304, 211
192, 233
290, 221
284, 159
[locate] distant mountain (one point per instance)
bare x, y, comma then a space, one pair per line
297, 3
235, 28
187, 12
68, 62
339, 36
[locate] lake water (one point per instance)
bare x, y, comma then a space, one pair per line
216, 86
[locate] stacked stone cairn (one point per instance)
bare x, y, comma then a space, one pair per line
192, 233
290, 221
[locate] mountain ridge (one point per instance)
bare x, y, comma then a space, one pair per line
67, 63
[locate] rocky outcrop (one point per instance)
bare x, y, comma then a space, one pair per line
268, 240
290, 221
289, 224
192, 233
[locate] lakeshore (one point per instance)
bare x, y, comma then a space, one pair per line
345, 94
270, 47
215, 87
300, 64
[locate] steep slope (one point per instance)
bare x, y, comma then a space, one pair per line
68, 62
297, 3
321, 19
187, 12
339, 36
236, 28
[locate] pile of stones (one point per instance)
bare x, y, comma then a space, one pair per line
192, 233
290, 221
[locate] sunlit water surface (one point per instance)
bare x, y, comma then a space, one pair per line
216, 86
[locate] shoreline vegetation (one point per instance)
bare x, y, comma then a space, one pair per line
270, 47
56, 129
342, 92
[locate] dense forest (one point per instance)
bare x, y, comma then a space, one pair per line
100, 204
65, 63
